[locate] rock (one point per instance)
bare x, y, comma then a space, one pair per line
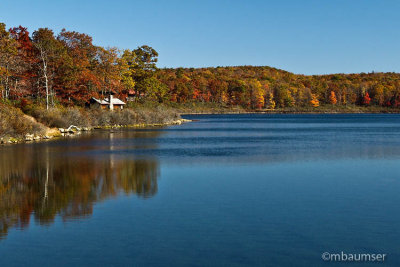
29, 137
12, 141
36, 137
71, 129
62, 130
46, 137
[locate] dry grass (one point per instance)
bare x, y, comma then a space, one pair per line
62, 117
14, 123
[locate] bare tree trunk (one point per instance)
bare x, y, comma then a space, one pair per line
16, 86
6, 86
46, 85
46, 79
3, 91
38, 90
52, 97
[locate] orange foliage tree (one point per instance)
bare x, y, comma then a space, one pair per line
314, 101
332, 98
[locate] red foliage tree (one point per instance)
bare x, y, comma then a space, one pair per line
366, 99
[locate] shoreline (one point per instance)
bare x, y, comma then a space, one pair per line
323, 109
289, 112
53, 133
74, 131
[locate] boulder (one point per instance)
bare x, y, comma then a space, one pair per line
12, 140
29, 137
72, 128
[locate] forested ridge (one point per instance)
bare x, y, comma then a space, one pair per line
266, 87
68, 69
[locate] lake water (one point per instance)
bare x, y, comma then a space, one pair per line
226, 190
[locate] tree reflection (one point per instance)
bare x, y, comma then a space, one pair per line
41, 182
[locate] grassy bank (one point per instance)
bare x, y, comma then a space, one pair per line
63, 117
35, 122
14, 123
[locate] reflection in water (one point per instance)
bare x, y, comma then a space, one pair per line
237, 190
43, 181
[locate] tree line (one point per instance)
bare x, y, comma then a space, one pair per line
266, 87
68, 68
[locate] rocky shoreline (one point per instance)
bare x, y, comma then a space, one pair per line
75, 130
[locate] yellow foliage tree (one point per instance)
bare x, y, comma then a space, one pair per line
314, 101
257, 93
270, 101
224, 97
260, 100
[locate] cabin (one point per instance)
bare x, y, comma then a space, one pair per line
109, 102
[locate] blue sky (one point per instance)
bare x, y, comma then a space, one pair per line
307, 36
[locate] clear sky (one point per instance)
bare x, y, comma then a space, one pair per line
301, 36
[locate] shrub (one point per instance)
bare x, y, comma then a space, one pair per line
61, 117
14, 123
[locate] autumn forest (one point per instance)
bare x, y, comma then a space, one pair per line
68, 69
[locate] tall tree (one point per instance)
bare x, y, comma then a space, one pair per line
78, 77
48, 52
107, 68
127, 65
145, 67
24, 78
8, 60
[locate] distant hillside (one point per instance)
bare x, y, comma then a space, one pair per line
266, 87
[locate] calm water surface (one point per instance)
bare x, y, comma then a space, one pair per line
226, 190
